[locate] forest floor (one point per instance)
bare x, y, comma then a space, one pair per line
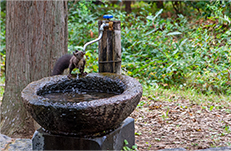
181, 124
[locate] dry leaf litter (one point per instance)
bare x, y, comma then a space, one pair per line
181, 124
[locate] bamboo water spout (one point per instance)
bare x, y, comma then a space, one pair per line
100, 36
101, 29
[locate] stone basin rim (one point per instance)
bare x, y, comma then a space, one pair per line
83, 118
35, 99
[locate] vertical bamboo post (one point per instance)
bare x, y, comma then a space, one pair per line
110, 48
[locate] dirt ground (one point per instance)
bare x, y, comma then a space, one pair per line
181, 124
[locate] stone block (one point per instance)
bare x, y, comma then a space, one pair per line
112, 141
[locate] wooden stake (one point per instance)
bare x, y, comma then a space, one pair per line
110, 49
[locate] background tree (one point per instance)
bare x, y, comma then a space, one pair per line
160, 4
128, 8
36, 35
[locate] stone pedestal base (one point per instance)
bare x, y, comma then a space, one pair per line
112, 141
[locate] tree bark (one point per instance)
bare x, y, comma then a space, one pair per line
36, 35
160, 4
128, 8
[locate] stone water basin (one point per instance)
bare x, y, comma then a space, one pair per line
82, 117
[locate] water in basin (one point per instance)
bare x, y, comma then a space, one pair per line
78, 96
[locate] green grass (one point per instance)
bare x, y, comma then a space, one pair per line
160, 94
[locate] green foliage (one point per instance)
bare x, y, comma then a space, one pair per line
160, 51
82, 22
126, 148
211, 8
2, 35
2, 81
181, 52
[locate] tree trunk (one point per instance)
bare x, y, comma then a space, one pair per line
160, 4
128, 8
36, 35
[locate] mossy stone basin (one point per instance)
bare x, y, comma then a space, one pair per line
87, 117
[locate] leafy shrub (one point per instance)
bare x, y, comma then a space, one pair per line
2, 36
182, 52
211, 8
177, 52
